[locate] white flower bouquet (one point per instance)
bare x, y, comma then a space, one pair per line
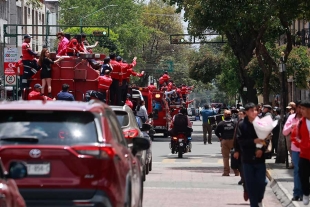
263, 127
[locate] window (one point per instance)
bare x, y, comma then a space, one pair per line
39, 16
122, 117
49, 127
115, 128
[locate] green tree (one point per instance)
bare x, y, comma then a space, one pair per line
245, 24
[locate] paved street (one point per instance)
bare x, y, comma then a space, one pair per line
194, 180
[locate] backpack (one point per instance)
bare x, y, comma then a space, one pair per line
180, 123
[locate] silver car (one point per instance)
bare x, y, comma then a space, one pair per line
131, 129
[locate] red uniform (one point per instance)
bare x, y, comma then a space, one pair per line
129, 103
161, 80
104, 82
166, 77
74, 47
25, 52
151, 87
184, 90
116, 73
20, 65
35, 95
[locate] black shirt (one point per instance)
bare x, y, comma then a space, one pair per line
225, 129
246, 135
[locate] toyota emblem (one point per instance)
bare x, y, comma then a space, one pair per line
35, 153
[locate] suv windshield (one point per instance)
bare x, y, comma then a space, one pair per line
122, 117
47, 127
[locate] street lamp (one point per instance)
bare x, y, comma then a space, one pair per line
81, 19
282, 139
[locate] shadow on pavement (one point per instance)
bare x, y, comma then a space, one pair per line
192, 157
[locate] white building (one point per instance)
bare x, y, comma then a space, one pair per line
21, 13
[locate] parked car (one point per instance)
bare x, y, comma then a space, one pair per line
9, 193
75, 153
148, 165
131, 129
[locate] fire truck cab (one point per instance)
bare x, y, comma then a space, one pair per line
161, 113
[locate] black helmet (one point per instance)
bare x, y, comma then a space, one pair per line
183, 111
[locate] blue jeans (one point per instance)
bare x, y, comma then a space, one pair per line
297, 191
255, 180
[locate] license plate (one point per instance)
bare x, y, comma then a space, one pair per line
180, 140
38, 169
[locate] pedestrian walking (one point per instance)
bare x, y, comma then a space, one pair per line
291, 122
225, 132
237, 155
301, 138
253, 159
206, 126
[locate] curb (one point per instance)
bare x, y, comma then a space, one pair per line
281, 193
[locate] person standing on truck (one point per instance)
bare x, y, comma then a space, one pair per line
104, 83
46, 73
141, 112
106, 66
206, 126
62, 45
64, 95
117, 77
30, 64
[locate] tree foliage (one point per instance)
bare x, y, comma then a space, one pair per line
247, 24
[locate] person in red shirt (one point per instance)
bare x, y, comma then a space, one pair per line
104, 83
63, 43
74, 47
301, 138
36, 94
30, 64
151, 87
117, 77
128, 101
165, 77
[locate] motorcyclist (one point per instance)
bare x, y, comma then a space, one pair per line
181, 123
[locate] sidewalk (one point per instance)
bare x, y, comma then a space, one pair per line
282, 183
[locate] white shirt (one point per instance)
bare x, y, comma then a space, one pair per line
142, 112
308, 124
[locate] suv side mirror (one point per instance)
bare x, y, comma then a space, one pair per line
146, 127
17, 170
140, 144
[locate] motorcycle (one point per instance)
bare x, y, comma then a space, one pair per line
180, 144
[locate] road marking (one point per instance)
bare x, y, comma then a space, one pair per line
196, 161
168, 160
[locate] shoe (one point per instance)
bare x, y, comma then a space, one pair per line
240, 182
224, 174
245, 196
291, 166
297, 198
236, 172
204, 143
305, 199
260, 204
209, 143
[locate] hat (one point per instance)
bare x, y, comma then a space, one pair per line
288, 107
37, 85
267, 106
27, 36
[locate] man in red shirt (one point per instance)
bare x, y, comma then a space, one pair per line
117, 77
301, 138
151, 87
36, 94
30, 64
